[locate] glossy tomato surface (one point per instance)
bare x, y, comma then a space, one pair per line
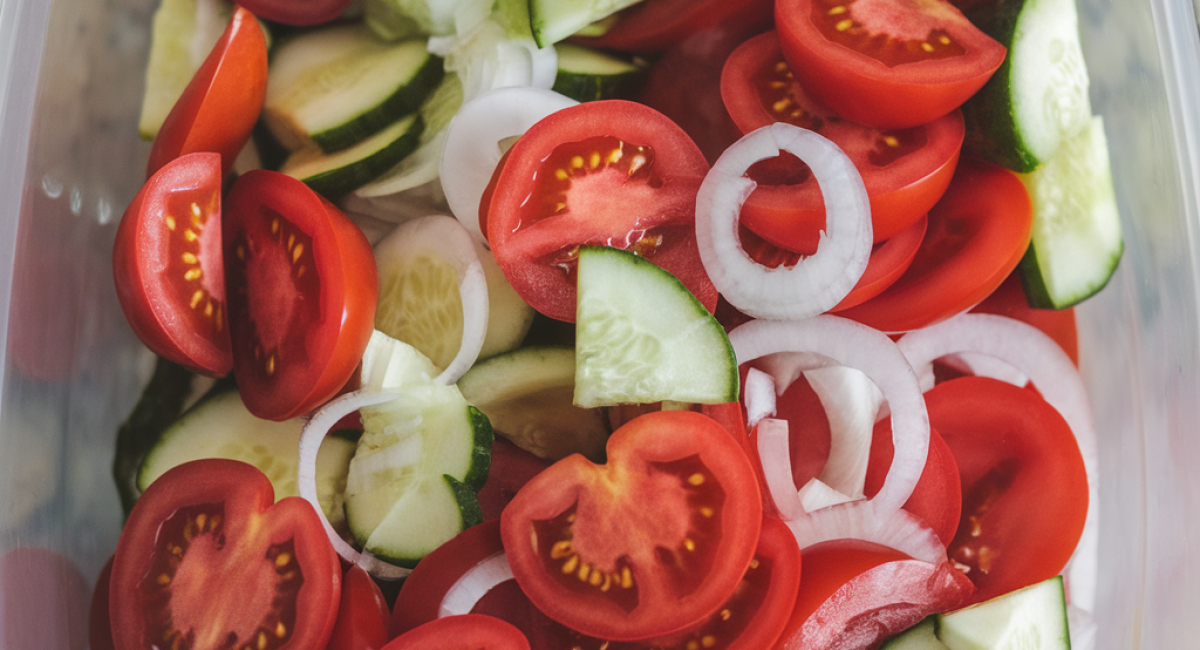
220, 106
603, 173
363, 616
886, 64
168, 269
462, 632
654, 26
646, 545
302, 287
208, 558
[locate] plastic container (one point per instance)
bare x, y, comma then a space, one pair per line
70, 87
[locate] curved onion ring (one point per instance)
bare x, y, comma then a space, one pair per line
815, 284
1039, 358
474, 584
758, 393
310, 443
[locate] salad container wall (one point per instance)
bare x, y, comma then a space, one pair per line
70, 90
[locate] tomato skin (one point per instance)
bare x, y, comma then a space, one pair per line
1024, 487
218, 109
977, 234
362, 614
167, 265
462, 632
1009, 300
937, 498
511, 468
862, 88
321, 284
297, 12
654, 26
241, 521
100, 635
580, 514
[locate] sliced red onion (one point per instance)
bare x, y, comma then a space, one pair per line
310, 443
473, 143
475, 584
758, 394
815, 284
1039, 358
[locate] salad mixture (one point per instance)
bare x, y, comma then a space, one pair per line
604, 324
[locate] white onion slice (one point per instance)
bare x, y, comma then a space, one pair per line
817, 494
473, 143
758, 394
775, 456
1039, 358
815, 284
851, 401
310, 443
485, 57
851, 344
863, 520
474, 584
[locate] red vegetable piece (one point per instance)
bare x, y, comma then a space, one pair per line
654, 26
937, 498
462, 632
362, 614
297, 12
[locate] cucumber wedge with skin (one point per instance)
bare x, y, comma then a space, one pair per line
341, 172
554, 20
922, 636
587, 74
641, 337
1034, 617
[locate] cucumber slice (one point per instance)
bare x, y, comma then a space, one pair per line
527, 395
1033, 617
1039, 96
587, 74
336, 86
420, 460
642, 337
554, 20
922, 636
338, 173
220, 426
1077, 239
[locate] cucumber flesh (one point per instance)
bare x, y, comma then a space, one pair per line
341, 172
1033, 618
922, 636
587, 74
642, 337
554, 20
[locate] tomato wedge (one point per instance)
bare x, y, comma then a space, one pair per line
977, 234
168, 269
363, 616
654, 26
220, 105
905, 171
1024, 487
650, 543
208, 558
891, 66
302, 287
607, 173
462, 632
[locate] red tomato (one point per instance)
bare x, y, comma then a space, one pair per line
208, 556
889, 65
297, 12
302, 287
511, 467
462, 632
1024, 488
43, 601
218, 109
977, 235
167, 265
1009, 300
650, 543
809, 437
654, 26
99, 628
362, 614
607, 173
937, 498
905, 171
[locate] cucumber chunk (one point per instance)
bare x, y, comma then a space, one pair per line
587, 74
1077, 239
922, 636
1034, 617
554, 20
338, 173
642, 337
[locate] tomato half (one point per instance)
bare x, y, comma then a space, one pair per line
462, 632
888, 65
1024, 488
905, 171
607, 173
654, 26
646, 545
167, 265
937, 498
363, 616
977, 234
220, 105
208, 558
99, 626
297, 12
1059, 324
301, 287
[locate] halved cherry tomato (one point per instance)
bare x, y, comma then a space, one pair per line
1024, 488
893, 66
937, 498
650, 543
977, 234
362, 614
905, 171
218, 109
462, 632
297, 12
302, 287
654, 26
1009, 300
167, 265
209, 558
608, 173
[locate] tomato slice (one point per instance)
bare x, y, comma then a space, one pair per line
892, 65
297, 12
1024, 487
937, 498
362, 614
302, 287
1009, 300
650, 543
905, 171
654, 26
220, 105
977, 234
167, 265
462, 632
207, 558
608, 173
